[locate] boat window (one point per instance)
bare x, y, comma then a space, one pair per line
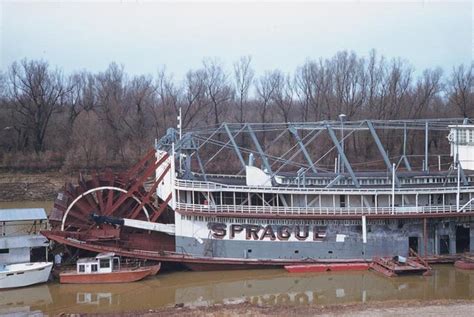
3, 251
104, 263
82, 268
342, 200
94, 268
116, 264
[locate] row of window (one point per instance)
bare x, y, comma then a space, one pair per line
285, 222
104, 263
375, 181
465, 136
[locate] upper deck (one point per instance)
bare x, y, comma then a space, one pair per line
312, 176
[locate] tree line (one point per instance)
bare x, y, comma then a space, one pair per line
92, 120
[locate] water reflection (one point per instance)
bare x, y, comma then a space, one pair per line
267, 287
94, 298
46, 204
25, 301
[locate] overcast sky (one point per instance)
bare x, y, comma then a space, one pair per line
144, 36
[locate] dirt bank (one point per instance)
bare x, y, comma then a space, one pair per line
373, 309
28, 187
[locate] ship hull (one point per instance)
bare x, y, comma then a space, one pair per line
209, 263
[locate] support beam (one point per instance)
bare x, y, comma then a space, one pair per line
463, 176
293, 131
425, 238
366, 202
283, 200
259, 150
287, 161
427, 166
343, 156
311, 203
404, 155
382, 150
334, 181
364, 229
201, 167
234, 144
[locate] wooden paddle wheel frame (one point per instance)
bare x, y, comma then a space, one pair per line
131, 195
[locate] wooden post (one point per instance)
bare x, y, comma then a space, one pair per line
425, 238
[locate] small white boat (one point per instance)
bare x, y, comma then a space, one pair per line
24, 274
106, 268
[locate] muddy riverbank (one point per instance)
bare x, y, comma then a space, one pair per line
31, 187
373, 309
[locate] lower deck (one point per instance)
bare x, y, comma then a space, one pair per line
250, 238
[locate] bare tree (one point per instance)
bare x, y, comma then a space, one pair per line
88, 147
36, 93
195, 101
167, 102
243, 74
284, 95
349, 83
426, 90
394, 90
266, 86
111, 91
139, 97
218, 89
314, 83
83, 95
3, 85
109, 117
460, 89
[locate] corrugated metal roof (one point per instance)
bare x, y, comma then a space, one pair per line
22, 214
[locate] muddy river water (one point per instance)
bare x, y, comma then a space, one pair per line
268, 287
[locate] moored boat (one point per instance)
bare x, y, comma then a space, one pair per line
464, 264
316, 202
24, 274
106, 268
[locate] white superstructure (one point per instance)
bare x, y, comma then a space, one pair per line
461, 139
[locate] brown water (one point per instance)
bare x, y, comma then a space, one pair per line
47, 205
269, 287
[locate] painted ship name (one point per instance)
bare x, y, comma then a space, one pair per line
269, 232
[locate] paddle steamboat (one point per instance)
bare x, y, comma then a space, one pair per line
240, 195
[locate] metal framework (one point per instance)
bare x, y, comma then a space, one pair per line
312, 148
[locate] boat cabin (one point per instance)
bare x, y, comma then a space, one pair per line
102, 263
20, 238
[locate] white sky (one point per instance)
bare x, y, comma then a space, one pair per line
144, 36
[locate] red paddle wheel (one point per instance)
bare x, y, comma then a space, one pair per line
128, 195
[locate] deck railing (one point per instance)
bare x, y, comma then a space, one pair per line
212, 186
318, 211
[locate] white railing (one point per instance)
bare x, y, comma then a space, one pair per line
182, 184
318, 211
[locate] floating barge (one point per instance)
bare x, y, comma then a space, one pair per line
330, 267
465, 263
392, 268
302, 203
